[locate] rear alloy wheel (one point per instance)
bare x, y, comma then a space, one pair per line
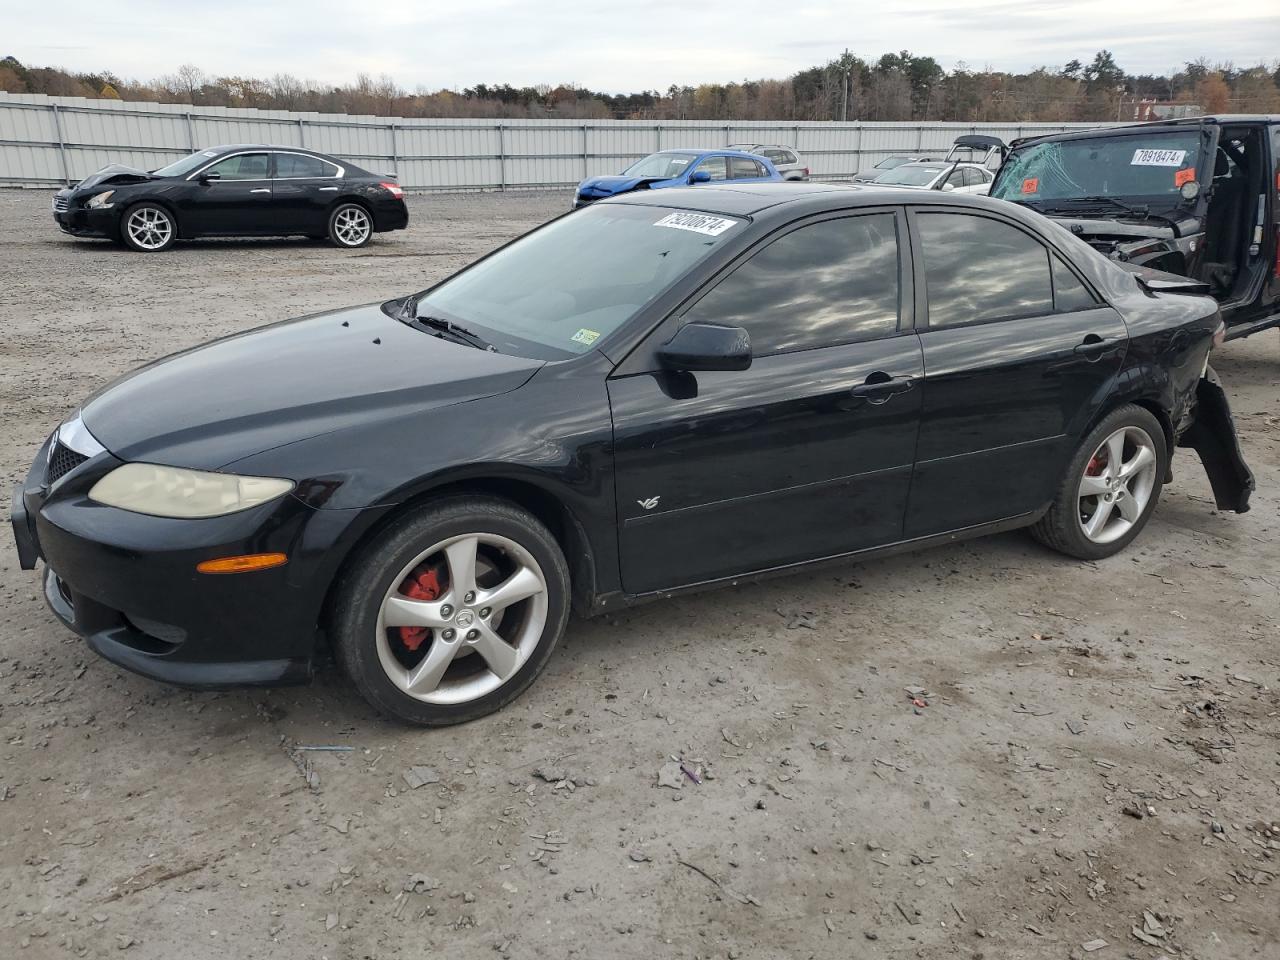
453, 613
1111, 487
350, 225
148, 228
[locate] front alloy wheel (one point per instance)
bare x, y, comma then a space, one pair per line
453, 611
350, 225
148, 228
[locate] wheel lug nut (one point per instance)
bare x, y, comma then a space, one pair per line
472, 634
446, 611
485, 611
470, 597
449, 634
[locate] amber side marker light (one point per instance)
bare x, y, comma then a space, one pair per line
242, 564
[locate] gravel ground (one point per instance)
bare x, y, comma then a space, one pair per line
834, 818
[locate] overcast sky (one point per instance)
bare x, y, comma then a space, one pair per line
618, 46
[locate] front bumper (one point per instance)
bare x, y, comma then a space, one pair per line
128, 584
82, 222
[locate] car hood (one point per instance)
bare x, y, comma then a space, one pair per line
608, 186
114, 173
207, 407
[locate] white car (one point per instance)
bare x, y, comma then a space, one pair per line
939, 175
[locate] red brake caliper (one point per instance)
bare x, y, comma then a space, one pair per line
1095, 466
425, 583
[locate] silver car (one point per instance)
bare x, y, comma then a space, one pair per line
785, 159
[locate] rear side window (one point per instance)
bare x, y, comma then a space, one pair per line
785, 156
295, 165
744, 169
1069, 294
828, 283
979, 269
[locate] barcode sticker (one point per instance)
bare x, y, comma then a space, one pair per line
696, 222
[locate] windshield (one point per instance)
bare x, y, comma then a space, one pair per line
1149, 165
560, 290
184, 166
665, 166
910, 176
890, 162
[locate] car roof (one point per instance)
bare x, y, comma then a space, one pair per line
1220, 119
236, 147
745, 200
710, 151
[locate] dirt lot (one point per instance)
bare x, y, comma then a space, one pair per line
834, 818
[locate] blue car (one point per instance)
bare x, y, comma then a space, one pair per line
677, 168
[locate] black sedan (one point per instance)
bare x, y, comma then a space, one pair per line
660, 392
233, 191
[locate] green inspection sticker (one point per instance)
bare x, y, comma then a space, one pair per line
586, 336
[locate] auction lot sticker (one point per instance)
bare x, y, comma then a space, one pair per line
1157, 158
696, 222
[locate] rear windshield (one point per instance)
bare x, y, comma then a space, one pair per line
561, 290
663, 165
888, 163
1149, 165
910, 176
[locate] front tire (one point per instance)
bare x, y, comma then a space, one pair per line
1110, 489
452, 612
148, 228
350, 225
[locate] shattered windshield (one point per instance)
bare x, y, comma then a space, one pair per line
1150, 166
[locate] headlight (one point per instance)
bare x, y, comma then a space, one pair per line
100, 201
173, 492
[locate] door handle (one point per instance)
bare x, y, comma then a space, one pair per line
326, 188
261, 190
1095, 347
879, 387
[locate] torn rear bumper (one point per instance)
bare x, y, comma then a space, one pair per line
1213, 437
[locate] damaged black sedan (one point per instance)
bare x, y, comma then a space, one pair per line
662, 392
245, 190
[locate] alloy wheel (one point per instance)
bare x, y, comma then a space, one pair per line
1117, 484
351, 226
486, 616
149, 228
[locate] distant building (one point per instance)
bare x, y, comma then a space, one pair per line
1163, 110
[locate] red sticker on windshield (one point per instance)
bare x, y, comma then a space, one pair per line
1183, 176
1031, 185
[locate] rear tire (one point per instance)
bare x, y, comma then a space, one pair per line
148, 228
1100, 508
350, 226
451, 613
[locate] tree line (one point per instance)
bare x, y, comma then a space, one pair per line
897, 86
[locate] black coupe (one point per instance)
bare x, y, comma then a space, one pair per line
664, 391
233, 191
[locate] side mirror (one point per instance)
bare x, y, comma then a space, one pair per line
206, 177
700, 176
948, 186
706, 346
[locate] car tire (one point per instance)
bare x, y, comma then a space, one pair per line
1098, 510
148, 228
432, 654
350, 225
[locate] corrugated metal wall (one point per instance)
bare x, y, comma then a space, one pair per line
48, 141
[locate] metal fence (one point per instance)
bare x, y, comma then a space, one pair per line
50, 141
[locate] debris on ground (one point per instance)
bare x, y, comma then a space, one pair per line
671, 774
417, 777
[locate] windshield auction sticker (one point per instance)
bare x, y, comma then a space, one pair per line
1157, 158
696, 222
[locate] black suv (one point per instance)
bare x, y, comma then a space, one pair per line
1198, 197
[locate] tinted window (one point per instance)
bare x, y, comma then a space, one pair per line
980, 269
245, 166
1068, 292
827, 283
715, 166
956, 178
293, 165
744, 169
